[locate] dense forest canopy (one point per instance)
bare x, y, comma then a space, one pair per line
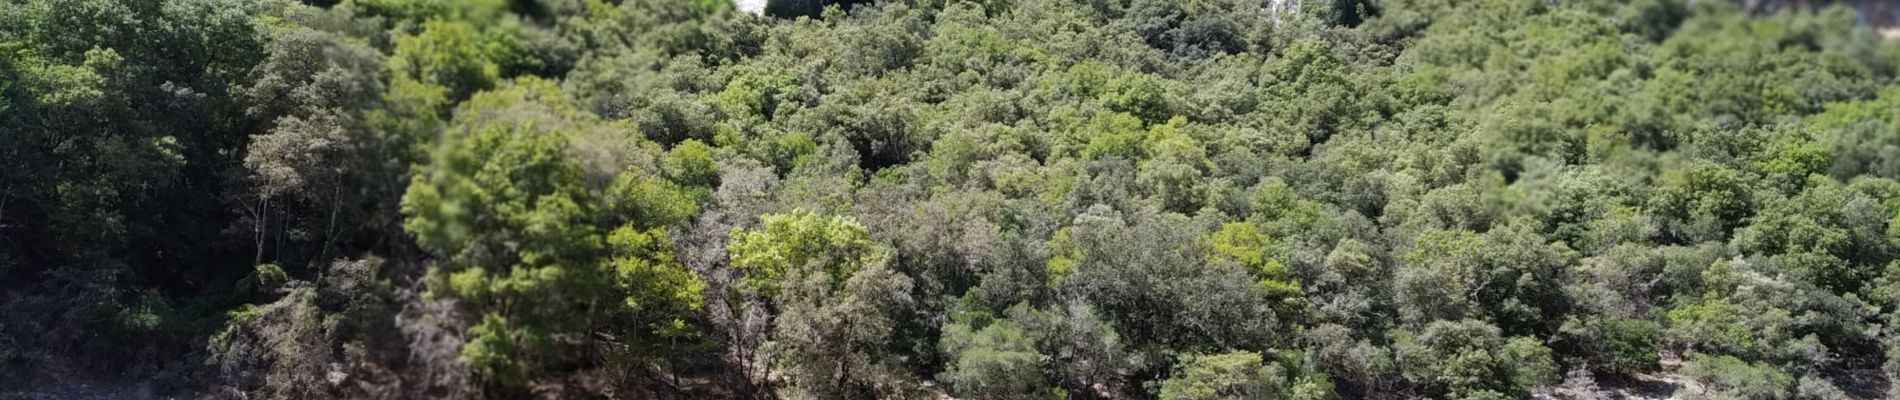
984, 199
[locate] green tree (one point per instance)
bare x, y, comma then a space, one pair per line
837, 300
455, 55
531, 248
1166, 292
1175, 169
319, 168
1242, 243
1701, 201
1509, 275
1827, 234
118, 143
1625, 346
691, 164
1470, 358
1730, 377
1232, 375
997, 361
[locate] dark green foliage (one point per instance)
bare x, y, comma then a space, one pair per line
1170, 292
803, 8
1729, 377
540, 255
1238, 374
1617, 345
1469, 358
926, 198
1508, 275
838, 305
119, 135
998, 360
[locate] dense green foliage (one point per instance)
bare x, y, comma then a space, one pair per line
988, 199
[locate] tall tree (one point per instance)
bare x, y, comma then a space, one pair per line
838, 303
559, 269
